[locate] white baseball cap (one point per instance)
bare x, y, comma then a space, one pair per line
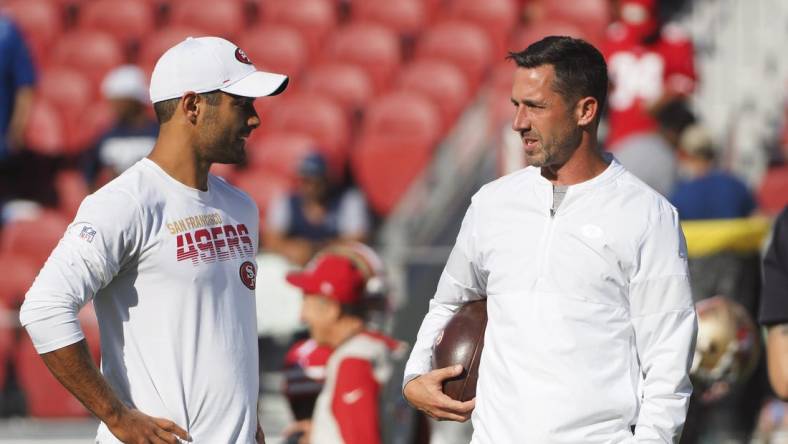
206, 64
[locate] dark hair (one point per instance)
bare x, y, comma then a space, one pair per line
580, 69
166, 108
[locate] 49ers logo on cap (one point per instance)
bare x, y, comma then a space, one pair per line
248, 274
241, 56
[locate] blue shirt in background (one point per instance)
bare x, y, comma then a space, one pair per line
16, 71
717, 195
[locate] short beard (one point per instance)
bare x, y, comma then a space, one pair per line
219, 147
563, 151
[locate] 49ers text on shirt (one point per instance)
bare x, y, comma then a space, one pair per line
205, 238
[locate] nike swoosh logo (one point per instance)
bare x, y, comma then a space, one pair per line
352, 396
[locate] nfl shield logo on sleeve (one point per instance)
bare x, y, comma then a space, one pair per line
87, 233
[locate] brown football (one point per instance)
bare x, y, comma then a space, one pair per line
461, 342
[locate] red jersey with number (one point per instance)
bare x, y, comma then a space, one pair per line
641, 74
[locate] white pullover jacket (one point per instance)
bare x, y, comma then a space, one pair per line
591, 323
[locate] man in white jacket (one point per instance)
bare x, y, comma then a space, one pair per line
591, 323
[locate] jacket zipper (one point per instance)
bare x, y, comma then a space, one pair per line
546, 245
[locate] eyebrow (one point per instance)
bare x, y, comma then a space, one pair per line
528, 102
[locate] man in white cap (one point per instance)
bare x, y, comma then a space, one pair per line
166, 252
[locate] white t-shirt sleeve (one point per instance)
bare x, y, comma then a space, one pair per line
104, 235
462, 281
665, 325
353, 216
278, 217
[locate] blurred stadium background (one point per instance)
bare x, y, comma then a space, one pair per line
409, 101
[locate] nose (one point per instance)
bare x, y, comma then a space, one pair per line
522, 121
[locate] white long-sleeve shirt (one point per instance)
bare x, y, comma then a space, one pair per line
591, 324
170, 270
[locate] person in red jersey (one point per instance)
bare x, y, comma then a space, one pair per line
649, 65
334, 309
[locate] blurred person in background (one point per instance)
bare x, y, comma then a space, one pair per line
650, 65
314, 215
17, 80
774, 305
305, 373
704, 190
336, 308
133, 133
773, 422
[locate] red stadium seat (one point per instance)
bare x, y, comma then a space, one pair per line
461, 43
224, 170
317, 117
405, 17
41, 22
45, 396
219, 18
280, 153
539, 30
71, 188
396, 144
276, 48
496, 17
67, 89
45, 132
441, 82
8, 319
372, 47
263, 187
348, 85
592, 16
314, 19
33, 239
17, 277
127, 20
158, 43
93, 53
91, 124
72, 94
773, 192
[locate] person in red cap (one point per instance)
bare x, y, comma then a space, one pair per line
334, 309
650, 65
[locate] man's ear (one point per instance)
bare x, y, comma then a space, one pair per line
586, 110
190, 105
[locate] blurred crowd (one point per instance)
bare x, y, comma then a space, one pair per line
376, 86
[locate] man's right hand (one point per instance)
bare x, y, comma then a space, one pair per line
426, 394
135, 427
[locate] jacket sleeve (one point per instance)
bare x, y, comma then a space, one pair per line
355, 402
462, 281
665, 326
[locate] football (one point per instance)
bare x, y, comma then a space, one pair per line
461, 342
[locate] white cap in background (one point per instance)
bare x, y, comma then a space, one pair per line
206, 64
125, 82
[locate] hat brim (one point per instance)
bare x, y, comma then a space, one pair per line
306, 282
258, 84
